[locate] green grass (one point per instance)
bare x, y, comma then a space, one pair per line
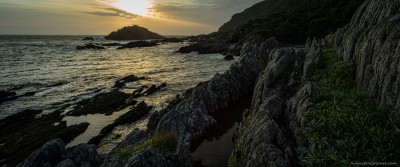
233, 161
165, 143
346, 125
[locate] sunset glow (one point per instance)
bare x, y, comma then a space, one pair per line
137, 7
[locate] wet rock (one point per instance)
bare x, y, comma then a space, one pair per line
88, 39
7, 96
205, 48
22, 133
229, 57
130, 78
104, 103
371, 42
29, 94
67, 163
48, 155
112, 44
138, 44
89, 46
138, 111
171, 40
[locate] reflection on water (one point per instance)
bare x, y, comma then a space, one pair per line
60, 75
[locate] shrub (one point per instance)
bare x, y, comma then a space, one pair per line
346, 125
164, 142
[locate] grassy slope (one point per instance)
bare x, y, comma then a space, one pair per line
292, 20
346, 125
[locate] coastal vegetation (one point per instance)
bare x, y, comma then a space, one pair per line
346, 125
164, 142
291, 21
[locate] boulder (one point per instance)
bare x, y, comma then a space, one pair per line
48, 155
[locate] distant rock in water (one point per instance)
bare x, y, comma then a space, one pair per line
88, 39
89, 46
112, 44
133, 33
229, 57
172, 40
138, 44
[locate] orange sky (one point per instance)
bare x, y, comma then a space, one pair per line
100, 17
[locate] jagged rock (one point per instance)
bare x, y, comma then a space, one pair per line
130, 78
137, 112
48, 155
133, 33
67, 163
83, 155
104, 103
271, 132
23, 133
112, 44
207, 47
371, 42
89, 46
146, 158
138, 44
229, 57
88, 39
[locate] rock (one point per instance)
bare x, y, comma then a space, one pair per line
171, 40
229, 57
138, 111
29, 94
138, 44
22, 133
371, 42
133, 33
89, 46
48, 155
112, 44
7, 96
130, 78
205, 48
104, 103
88, 39
83, 155
67, 163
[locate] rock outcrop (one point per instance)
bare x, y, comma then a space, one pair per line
54, 153
271, 131
133, 33
371, 42
138, 44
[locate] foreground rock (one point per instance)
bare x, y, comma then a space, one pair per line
371, 42
7, 96
22, 133
136, 113
54, 153
130, 78
104, 103
133, 33
89, 46
138, 44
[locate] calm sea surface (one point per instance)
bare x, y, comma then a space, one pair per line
60, 75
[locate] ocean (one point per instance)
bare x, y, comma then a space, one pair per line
57, 75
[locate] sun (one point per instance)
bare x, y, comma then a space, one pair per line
138, 7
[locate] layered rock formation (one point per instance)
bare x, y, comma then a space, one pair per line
371, 42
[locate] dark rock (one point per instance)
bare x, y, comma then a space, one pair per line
112, 44
48, 155
205, 48
133, 33
229, 57
7, 96
67, 163
130, 78
89, 46
138, 111
138, 44
84, 155
371, 41
104, 103
29, 94
23, 133
88, 39
172, 40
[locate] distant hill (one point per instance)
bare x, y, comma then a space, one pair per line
133, 33
291, 19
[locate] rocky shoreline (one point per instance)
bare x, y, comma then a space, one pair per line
283, 94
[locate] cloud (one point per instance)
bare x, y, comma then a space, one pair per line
210, 12
113, 12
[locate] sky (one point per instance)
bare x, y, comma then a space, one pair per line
100, 17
